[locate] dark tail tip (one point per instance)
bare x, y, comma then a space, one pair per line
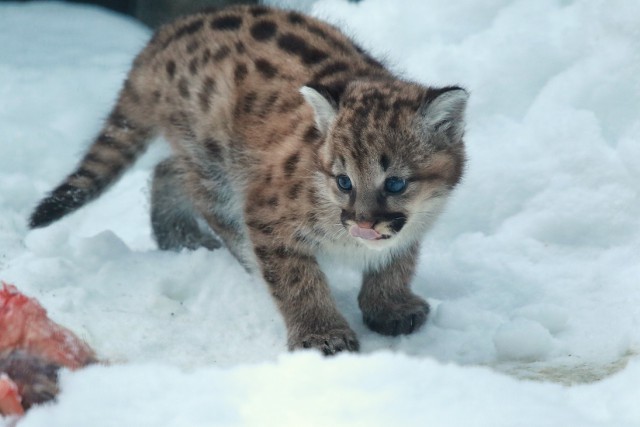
62, 201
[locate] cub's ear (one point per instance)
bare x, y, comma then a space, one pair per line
325, 107
443, 112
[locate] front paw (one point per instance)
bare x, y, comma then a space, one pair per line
395, 318
329, 343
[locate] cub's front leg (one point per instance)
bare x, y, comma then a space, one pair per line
387, 303
303, 297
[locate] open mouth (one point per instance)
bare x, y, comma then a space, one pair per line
366, 233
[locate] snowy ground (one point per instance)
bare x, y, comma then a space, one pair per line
533, 271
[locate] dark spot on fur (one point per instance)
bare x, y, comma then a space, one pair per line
119, 120
226, 23
182, 122
125, 151
131, 92
240, 49
94, 157
206, 56
266, 68
240, 73
291, 163
263, 227
87, 174
313, 197
221, 53
373, 62
249, 101
188, 29
294, 191
263, 30
331, 68
208, 86
296, 45
171, 69
268, 103
296, 18
193, 46
291, 104
256, 11
273, 201
311, 135
183, 88
213, 148
193, 66
262, 252
394, 121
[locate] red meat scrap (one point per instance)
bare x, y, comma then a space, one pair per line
33, 348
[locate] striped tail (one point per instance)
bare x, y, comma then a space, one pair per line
120, 143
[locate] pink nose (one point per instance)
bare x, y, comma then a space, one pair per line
365, 224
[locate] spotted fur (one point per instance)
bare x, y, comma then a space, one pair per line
267, 111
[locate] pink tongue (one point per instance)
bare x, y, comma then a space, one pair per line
364, 233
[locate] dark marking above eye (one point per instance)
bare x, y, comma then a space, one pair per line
263, 30
226, 23
384, 162
266, 68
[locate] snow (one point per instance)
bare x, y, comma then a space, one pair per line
532, 272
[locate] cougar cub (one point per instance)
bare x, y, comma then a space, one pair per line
289, 142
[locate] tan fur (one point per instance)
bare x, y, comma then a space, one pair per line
259, 164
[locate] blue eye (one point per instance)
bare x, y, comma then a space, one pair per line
395, 185
344, 183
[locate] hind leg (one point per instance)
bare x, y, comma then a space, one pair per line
174, 220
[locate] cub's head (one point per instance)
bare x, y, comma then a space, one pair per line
392, 152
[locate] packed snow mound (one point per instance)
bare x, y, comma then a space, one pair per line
532, 271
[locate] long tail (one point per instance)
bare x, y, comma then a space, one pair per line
122, 140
